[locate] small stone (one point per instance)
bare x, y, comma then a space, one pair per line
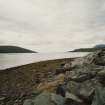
80, 78
73, 97
2, 98
101, 73
67, 65
28, 102
16, 104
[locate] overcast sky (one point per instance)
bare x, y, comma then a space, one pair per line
52, 25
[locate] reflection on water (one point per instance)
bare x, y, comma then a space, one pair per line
17, 59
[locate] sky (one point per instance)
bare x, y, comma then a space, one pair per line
52, 25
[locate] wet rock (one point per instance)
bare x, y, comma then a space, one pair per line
46, 99
99, 98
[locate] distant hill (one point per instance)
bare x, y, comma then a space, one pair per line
100, 46
14, 49
85, 50
95, 48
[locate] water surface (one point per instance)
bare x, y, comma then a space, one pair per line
16, 59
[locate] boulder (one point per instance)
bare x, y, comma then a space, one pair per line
81, 74
73, 97
84, 89
101, 77
2, 98
97, 58
77, 62
60, 70
64, 67
46, 99
57, 99
99, 98
101, 73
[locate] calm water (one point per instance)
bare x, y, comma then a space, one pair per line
17, 59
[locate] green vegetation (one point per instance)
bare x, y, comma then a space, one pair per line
14, 49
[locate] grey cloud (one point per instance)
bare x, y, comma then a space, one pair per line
57, 24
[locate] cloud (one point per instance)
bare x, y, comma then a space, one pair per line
52, 25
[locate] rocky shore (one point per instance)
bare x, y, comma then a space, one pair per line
78, 81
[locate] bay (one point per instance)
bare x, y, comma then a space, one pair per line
9, 60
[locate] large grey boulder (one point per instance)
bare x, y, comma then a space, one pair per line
81, 73
46, 99
99, 98
84, 89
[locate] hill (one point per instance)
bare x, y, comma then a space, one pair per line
100, 46
14, 49
85, 50
95, 48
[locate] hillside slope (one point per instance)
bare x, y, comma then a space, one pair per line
14, 49
95, 48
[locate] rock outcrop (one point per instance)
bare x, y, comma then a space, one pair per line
99, 97
46, 99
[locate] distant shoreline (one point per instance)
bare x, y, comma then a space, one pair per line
18, 60
39, 62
